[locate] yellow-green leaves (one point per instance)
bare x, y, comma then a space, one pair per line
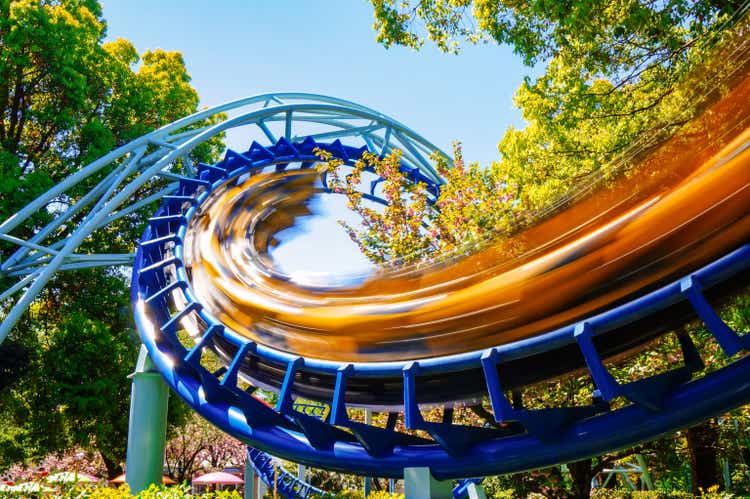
475, 204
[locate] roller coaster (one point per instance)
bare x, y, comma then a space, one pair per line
601, 277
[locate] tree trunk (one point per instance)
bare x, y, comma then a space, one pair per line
702, 443
581, 472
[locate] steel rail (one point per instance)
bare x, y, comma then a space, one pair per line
171, 142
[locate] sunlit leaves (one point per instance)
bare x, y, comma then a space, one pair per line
66, 99
474, 205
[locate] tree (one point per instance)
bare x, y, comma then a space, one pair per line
73, 460
611, 73
702, 440
198, 445
18, 356
473, 203
82, 394
67, 98
611, 37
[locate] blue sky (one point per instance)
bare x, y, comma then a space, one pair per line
236, 48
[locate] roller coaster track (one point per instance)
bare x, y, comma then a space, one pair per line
290, 486
527, 439
276, 477
178, 330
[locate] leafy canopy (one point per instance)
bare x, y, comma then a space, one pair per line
66, 99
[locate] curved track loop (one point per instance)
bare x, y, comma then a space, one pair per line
524, 439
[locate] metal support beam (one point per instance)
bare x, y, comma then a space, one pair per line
146, 158
645, 475
476, 491
420, 484
147, 430
629, 482
250, 479
368, 480
726, 474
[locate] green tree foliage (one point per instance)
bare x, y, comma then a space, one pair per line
610, 73
607, 35
81, 395
67, 98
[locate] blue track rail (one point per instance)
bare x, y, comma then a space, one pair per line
292, 487
277, 477
524, 439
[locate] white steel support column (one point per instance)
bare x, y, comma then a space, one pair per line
262, 489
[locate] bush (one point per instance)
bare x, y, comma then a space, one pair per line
496, 488
101, 492
358, 494
712, 493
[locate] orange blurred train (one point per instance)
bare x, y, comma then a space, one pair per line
685, 204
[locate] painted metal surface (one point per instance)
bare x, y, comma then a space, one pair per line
293, 487
261, 465
147, 427
530, 439
286, 483
151, 159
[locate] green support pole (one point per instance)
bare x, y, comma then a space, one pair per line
420, 484
147, 430
645, 475
726, 473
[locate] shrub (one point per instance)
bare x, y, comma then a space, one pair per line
101, 492
712, 493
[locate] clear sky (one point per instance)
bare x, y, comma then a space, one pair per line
238, 48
